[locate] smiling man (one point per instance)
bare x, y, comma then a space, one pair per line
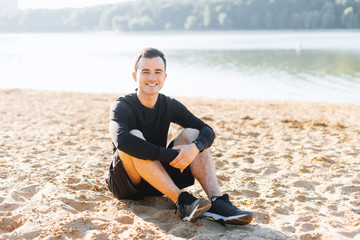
143, 166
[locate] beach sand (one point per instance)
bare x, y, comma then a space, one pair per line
295, 165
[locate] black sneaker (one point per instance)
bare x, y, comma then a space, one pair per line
223, 211
191, 207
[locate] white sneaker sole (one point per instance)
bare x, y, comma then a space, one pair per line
241, 219
198, 211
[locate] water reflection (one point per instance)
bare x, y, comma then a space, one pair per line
314, 75
284, 65
342, 64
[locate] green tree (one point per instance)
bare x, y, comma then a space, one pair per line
141, 23
207, 16
106, 16
268, 20
83, 19
296, 21
255, 21
224, 21
9, 21
312, 19
349, 19
169, 26
191, 15
329, 15
191, 23
120, 23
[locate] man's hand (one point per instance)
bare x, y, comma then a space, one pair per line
187, 154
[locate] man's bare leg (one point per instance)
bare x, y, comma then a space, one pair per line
152, 171
202, 167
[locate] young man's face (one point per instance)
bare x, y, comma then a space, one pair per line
150, 75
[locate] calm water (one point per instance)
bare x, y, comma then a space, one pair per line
281, 65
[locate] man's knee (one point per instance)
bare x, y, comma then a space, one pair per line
187, 136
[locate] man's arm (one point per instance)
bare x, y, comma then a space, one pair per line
187, 153
186, 119
132, 145
137, 147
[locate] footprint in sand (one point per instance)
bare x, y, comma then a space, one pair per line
10, 222
6, 206
183, 231
145, 211
289, 229
306, 184
350, 189
78, 206
331, 189
28, 191
306, 227
125, 219
262, 217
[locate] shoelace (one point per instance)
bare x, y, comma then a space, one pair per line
227, 201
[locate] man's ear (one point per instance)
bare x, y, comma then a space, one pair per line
134, 76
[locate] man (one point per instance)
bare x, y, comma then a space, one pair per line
143, 166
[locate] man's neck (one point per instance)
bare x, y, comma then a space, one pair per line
148, 101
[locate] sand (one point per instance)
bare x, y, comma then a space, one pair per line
294, 164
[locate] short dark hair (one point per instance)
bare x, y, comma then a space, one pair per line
150, 53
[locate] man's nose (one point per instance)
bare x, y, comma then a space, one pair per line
152, 76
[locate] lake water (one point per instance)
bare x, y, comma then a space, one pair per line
270, 65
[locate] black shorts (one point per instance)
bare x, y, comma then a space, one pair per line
121, 186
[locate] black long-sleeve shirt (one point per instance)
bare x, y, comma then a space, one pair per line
127, 113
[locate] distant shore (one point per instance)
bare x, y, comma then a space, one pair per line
294, 164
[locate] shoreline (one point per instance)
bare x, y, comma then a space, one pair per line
294, 164
205, 98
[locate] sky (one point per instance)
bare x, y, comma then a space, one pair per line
55, 4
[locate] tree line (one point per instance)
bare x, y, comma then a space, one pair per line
157, 15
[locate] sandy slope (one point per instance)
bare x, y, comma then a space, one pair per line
295, 165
